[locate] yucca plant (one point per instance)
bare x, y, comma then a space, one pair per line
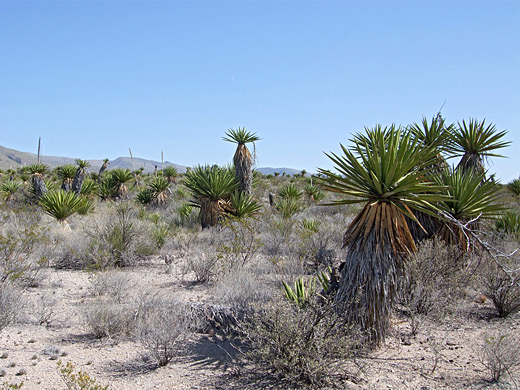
290, 191
104, 167
144, 197
288, 207
244, 205
509, 223
38, 172
66, 174
314, 193
438, 135
385, 171
211, 188
475, 141
514, 186
170, 173
9, 188
242, 160
159, 186
60, 205
302, 292
79, 177
119, 178
86, 205
469, 196
107, 187
89, 188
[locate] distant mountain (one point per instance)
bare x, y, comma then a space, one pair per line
281, 171
11, 158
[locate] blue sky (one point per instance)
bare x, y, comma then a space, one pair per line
95, 78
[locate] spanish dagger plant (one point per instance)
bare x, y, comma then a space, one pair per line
242, 160
475, 141
386, 170
469, 196
211, 188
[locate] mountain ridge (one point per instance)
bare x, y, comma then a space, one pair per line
12, 158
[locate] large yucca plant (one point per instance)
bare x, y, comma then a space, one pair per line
242, 160
60, 204
475, 141
79, 177
385, 170
38, 172
438, 135
211, 188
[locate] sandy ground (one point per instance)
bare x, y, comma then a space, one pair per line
441, 356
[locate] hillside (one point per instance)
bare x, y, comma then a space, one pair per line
11, 158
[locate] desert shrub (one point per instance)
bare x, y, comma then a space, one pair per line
23, 244
112, 284
118, 240
276, 233
164, 327
107, 318
502, 288
237, 243
435, 280
500, 354
309, 344
9, 303
242, 289
77, 380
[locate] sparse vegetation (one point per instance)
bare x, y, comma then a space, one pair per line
260, 278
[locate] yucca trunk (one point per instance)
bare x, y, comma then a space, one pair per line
425, 227
377, 242
122, 191
471, 162
209, 212
66, 185
103, 169
39, 185
79, 178
243, 162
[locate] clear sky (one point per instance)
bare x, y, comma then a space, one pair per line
95, 78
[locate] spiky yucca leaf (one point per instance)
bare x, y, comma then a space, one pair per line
244, 205
475, 141
436, 133
240, 136
468, 196
290, 191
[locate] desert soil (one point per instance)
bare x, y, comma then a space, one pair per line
442, 356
